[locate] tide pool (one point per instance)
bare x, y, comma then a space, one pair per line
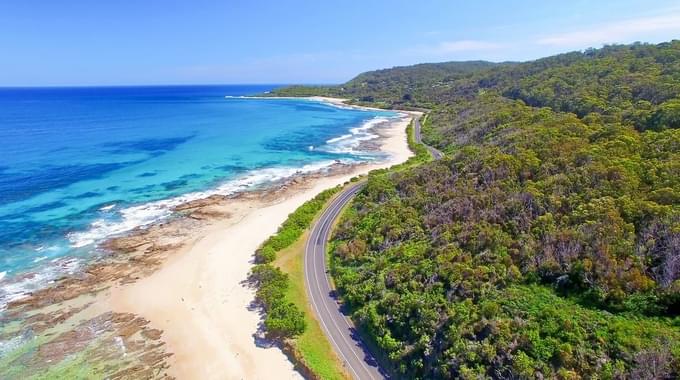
78, 165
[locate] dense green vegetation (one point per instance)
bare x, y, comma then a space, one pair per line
283, 319
293, 227
396, 87
547, 243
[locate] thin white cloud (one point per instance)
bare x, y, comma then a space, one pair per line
452, 47
432, 33
465, 45
616, 32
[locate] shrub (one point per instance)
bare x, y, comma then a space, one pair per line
282, 318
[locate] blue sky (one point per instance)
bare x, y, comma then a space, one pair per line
71, 42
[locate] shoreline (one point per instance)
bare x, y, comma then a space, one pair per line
36, 279
185, 276
199, 297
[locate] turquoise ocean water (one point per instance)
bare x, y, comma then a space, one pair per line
78, 165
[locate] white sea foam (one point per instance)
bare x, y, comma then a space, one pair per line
16, 288
108, 207
132, 217
339, 105
349, 143
148, 213
340, 138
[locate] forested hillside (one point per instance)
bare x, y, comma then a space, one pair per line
398, 87
547, 243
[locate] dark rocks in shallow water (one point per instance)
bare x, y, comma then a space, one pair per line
89, 194
232, 168
174, 185
46, 207
20, 186
190, 176
142, 189
153, 146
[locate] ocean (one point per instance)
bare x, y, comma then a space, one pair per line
79, 165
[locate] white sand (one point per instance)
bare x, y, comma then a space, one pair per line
198, 298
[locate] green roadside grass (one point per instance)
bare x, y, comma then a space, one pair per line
421, 154
312, 344
279, 276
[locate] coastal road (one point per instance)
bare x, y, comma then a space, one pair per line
436, 153
337, 326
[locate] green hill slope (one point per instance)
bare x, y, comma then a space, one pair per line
547, 243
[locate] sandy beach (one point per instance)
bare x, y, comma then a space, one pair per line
198, 298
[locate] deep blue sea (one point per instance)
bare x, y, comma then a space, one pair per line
78, 165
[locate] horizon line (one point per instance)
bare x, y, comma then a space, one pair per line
162, 85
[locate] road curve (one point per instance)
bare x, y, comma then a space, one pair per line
337, 326
436, 153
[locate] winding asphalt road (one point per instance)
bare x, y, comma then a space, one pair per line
436, 153
336, 325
